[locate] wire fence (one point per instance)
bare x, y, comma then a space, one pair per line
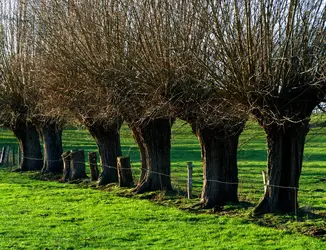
311, 192
249, 188
177, 174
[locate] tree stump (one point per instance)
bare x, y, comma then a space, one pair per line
92, 159
124, 172
66, 157
78, 168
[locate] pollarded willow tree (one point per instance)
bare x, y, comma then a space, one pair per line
141, 101
102, 35
79, 42
273, 54
22, 64
18, 92
170, 37
82, 99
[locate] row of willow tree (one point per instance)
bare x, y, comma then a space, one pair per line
210, 63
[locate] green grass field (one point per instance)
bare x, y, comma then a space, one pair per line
39, 214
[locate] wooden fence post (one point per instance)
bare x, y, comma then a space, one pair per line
78, 168
189, 182
92, 159
124, 172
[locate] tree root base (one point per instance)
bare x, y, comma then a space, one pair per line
146, 187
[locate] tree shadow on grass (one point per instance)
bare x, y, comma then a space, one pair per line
306, 221
303, 221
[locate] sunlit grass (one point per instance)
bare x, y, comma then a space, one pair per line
50, 215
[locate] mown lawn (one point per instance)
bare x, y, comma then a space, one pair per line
49, 215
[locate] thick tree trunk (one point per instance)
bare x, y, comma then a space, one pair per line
29, 143
285, 152
154, 141
52, 144
219, 156
108, 142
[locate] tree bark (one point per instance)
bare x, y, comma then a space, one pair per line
29, 143
154, 141
108, 142
285, 152
219, 155
52, 144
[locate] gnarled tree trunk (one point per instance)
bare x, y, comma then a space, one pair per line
107, 138
29, 143
154, 141
52, 144
285, 152
219, 155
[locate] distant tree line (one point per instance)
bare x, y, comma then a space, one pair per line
213, 64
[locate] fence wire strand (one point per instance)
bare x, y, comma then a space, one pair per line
248, 188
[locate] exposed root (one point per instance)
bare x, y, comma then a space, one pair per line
262, 208
141, 188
